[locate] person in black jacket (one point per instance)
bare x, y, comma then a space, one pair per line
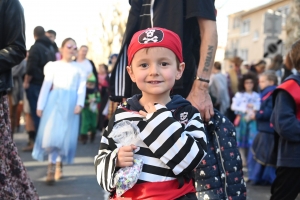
286, 121
195, 23
39, 55
14, 181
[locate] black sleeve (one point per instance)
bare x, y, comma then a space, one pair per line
33, 60
14, 50
201, 8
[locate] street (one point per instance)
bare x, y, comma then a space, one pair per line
79, 180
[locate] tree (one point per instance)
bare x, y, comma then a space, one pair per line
106, 39
293, 24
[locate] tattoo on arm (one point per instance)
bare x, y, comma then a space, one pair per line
209, 58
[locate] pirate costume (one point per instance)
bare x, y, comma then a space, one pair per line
169, 162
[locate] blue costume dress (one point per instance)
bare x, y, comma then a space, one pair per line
62, 90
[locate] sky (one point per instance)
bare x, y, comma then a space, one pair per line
71, 18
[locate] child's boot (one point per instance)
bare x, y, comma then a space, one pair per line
84, 138
92, 137
58, 171
50, 174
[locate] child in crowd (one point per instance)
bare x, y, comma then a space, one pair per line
103, 80
286, 121
172, 137
262, 170
89, 111
245, 104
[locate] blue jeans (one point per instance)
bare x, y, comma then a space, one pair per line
32, 94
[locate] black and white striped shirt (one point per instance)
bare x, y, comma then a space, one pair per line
169, 147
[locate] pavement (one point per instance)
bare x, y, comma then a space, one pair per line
79, 180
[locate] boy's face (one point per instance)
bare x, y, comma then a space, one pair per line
264, 82
155, 70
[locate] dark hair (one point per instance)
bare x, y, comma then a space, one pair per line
249, 75
271, 76
52, 32
66, 40
293, 57
217, 65
38, 31
111, 56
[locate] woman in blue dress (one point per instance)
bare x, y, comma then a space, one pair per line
60, 101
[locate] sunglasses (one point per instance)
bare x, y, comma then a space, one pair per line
72, 47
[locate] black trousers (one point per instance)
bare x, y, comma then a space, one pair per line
287, 184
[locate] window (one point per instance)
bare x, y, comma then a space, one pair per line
236, 22
256, 35
284, 11
245, 26
244, 54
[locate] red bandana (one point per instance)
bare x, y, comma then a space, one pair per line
155, 37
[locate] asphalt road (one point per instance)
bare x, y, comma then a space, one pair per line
79, 181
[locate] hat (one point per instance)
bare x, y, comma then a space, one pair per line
91, 78
155, 37
236, 60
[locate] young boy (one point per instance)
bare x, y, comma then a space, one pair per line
172, 137
286, 121
89, 111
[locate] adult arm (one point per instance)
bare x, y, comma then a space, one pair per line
182, 149
199, 95
32, 63
284, 118
14, 50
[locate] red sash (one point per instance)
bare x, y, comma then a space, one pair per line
293, 88
167, 190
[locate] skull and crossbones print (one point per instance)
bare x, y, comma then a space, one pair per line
151, 35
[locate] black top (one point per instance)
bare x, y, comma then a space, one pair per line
12, 40
165, 13
39, 55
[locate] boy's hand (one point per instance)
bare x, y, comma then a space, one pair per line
149, 107
125, 156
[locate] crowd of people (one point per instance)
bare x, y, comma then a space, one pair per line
180, 142
58, 90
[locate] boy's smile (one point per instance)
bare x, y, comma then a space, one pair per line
155, 70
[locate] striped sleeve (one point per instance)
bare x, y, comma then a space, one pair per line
182, 149
105, 164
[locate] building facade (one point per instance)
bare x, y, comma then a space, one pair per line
253, 33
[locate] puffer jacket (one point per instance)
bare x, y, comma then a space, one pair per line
220, 175
12, 40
